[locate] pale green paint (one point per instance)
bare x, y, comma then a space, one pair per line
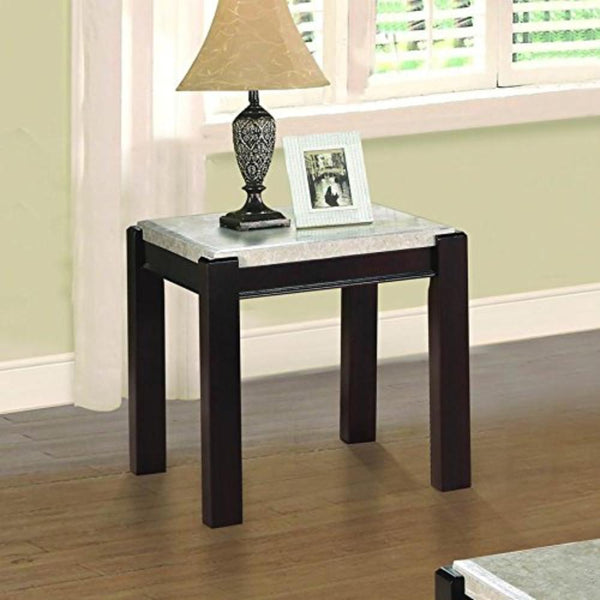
35, 246
527, 195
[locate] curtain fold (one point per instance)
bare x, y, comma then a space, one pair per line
136, 154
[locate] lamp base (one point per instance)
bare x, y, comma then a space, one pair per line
255, 214
254, 142
242, 220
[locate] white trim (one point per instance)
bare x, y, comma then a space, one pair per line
96, 190
48, 381
538, 72
426, 114
33, 383
504, 42
335, 52
415, 84
358, 50
315, 345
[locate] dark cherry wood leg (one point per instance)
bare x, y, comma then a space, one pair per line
146, 350
358, 400
449, 366
220, 389
449, 585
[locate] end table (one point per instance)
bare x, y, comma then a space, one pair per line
224, 266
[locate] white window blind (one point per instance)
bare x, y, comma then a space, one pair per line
419, 35
421, 44
308, 15
551, 41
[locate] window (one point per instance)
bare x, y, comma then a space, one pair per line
551, 41
419, 37
380, 49
308, 15
427, 46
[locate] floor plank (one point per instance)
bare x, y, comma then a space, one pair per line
322, 519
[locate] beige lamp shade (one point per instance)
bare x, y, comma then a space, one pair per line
253, 45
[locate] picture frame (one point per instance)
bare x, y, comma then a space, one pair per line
328, 180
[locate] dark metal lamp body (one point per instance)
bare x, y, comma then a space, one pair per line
254, 132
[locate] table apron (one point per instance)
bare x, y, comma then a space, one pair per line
328, 285
295, 277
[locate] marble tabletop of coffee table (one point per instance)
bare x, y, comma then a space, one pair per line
565, 572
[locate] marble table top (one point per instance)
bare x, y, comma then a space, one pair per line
197, 236
565, 572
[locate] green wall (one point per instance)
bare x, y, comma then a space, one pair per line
527, 195
35, 247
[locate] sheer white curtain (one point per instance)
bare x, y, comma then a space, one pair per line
137, 153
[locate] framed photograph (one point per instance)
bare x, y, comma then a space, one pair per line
328, 180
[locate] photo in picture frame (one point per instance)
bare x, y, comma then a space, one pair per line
328, 180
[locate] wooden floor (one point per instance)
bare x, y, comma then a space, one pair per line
323, 520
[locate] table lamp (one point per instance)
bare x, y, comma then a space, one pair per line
253, 45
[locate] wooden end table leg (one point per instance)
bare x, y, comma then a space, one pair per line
146, 350
449, 366
358, 400
220, 389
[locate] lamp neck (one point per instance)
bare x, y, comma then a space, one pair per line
253, 97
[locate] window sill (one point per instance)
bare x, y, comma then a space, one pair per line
426, 114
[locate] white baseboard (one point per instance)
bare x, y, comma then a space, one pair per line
315, 345
48, 381
32, 383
